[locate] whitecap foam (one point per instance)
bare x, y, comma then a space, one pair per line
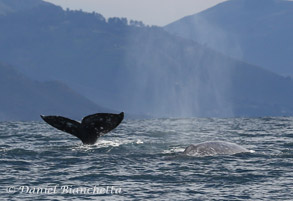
101, 143
174, 150
139, 142
108, 143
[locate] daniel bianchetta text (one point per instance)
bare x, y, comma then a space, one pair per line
66, 189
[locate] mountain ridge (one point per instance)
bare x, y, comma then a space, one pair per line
25, 99
11, 6
138, 69
258, 32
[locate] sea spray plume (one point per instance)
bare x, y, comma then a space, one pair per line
176, 77
207, 33
90, 128
241, 29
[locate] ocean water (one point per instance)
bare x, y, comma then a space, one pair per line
142, 160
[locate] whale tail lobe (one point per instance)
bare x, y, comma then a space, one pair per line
90, 128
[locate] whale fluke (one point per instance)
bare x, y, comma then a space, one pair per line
90, 128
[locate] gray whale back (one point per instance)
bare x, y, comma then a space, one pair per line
214, 148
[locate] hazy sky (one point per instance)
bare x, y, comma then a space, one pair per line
151, 12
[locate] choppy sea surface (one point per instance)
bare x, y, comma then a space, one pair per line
142, 160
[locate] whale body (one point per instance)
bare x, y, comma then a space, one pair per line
212, 148
90, 128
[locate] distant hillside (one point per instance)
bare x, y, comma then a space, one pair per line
24, 99
256, 31
129, 67
10, 6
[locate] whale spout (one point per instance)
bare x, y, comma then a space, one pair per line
90, 128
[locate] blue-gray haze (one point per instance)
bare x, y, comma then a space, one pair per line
256, 31
126, 66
